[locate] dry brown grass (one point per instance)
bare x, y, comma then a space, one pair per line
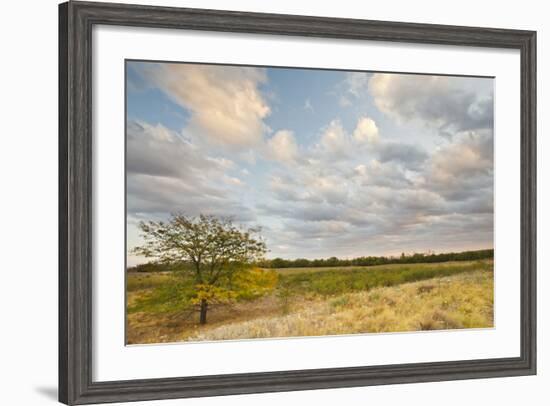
148, 328
455, 302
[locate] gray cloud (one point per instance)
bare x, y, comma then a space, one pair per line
464, 167
406, 154
449, 104
401, 193
153, 194
158, 151
166, 173
355, 192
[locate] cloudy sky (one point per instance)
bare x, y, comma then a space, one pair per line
328, 163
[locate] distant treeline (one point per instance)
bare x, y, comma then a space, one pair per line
369, 261
157, 267
337, 262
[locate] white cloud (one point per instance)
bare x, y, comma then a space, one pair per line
225, 103
366, 131
334, 142
282, 146
361, 169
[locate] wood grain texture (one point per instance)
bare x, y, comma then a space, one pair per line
63, 365
76, 20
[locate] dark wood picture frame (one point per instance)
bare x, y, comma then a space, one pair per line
76, 20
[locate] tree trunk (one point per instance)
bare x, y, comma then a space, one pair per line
204, 307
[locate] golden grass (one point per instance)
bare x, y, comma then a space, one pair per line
299, 307
454, 302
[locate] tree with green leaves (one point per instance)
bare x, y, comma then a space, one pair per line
220, 255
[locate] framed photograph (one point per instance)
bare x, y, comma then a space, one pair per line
256, 202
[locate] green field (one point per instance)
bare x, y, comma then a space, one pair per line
389, 267
318, 301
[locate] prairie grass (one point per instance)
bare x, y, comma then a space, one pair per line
386, 267
139, 281
450, 302
336, 281
385, 298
